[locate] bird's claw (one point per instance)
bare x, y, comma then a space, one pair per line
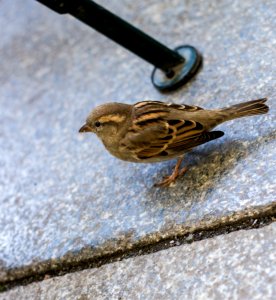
169, 181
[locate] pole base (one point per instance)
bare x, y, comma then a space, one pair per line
180, 74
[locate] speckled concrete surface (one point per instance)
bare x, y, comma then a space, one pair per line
240, 265
62, 197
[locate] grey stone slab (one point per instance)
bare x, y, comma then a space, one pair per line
240, 265
63, 198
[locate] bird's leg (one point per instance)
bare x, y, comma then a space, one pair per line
177, 172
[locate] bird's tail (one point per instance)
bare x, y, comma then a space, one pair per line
250, 108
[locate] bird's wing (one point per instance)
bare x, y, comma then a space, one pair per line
155, 133
146, 106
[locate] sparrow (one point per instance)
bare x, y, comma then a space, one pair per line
154, 131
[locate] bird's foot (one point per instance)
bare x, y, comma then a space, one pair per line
169, 181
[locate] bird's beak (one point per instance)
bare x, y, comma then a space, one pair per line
85, 128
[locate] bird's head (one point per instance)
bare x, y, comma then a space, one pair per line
106, 120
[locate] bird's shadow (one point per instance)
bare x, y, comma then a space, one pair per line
206, 168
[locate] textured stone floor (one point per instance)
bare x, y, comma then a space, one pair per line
235, 266
63, 198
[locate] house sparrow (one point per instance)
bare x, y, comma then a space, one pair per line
154, 131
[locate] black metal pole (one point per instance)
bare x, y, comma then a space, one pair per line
125, 34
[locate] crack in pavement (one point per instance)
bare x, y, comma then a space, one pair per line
246, 223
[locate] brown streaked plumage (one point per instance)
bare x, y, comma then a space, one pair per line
154, 131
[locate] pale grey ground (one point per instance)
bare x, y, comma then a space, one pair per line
240, 266
61, 192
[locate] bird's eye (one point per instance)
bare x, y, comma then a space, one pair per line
97, 124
